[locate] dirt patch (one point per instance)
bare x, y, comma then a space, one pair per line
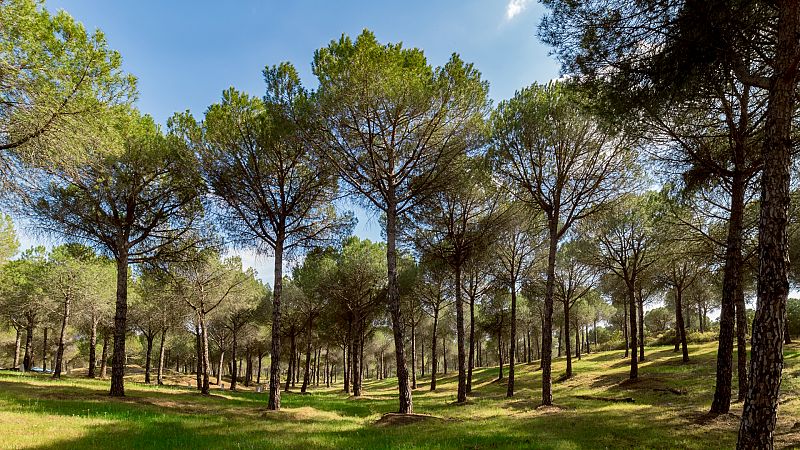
397, 419
550, 409
728, 420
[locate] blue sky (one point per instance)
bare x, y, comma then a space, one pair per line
185, 53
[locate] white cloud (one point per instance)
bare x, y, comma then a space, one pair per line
515, 7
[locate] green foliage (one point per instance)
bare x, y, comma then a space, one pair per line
58, 83
387, 114
133, 202
9, 244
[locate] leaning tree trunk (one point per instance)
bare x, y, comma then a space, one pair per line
766, 361
61, 337
731, 283
406, 405
120, 326
512, 351
92, 348
547, 331
275, 353
681, 334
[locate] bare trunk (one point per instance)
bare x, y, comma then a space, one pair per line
413, 356
161, 350
27, 360
406, 405
275, 354
104, 355
120, 327
547, 330
461, 396
471, 362
92, 348
766, 362
148, 356
306, 373
567, 343
512, 351
633, 331
61, 338
434, 355
17, 344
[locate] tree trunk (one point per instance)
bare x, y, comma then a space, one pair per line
306, 373
444, 354
355, 355
406, 405
120, 326
681, 332
198, 356
625, 327
206, 362
567, 343
234, 355
248, 373
148, 354
292, 360
92, 348
17, 345
547, 330
422, 356
512, 351
44, 350
500, 353
346, 368
275, 353
766, 362
413, 355
461, 396
640, 311
260, 359
434, 355
27, 360
161, 350
221, 365
471, 362
633, 331
731, 283
61, 338
104, 355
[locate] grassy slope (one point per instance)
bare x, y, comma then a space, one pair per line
36, 412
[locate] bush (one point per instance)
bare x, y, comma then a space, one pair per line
692, 337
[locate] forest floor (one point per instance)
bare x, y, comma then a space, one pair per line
669, 410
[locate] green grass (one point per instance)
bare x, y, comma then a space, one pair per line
36, 412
